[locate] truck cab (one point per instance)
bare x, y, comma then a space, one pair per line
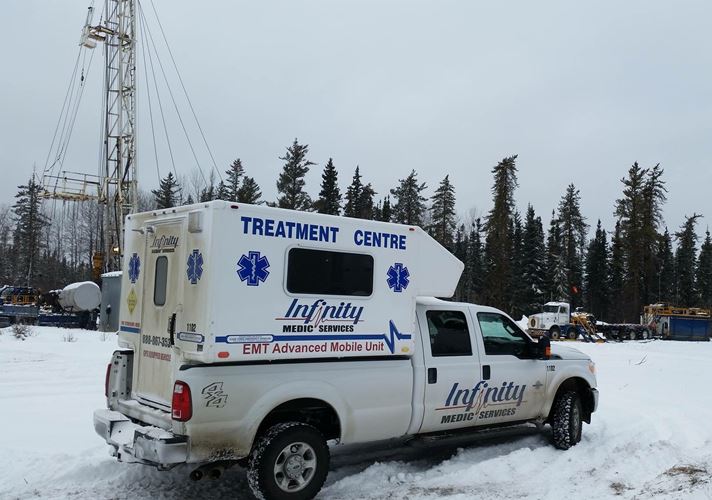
554, 319
481, 369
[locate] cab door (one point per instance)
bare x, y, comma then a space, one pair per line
161, 304
451, 366
514, 380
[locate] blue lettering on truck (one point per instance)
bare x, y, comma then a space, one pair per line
379, 239
288, 229
320, 311
317, 232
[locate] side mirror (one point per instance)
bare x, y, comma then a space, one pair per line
544, 347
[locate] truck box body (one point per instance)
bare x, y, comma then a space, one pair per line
221, 282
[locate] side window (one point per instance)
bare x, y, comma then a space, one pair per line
161, 280
321, 272
449, 335
501, 336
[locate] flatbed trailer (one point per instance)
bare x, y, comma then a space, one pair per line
624, 331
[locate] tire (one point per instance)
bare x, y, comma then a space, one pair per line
631, 335
288, 462
645, 334
572, 334
554, 333
567, 421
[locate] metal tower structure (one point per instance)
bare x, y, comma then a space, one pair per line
118, 191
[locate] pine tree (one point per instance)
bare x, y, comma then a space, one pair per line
654, 196
553, 253
233, 180
409, 207
386, 211
666, 269
223, 192
533, 260
616, 284
443, 218
291, 181
329, 201
640, 213
561, 274
249, 191
209, 192
704, 272
475, 264
353, 195
498, 239
597, 274
686, 262
165, 195
364, 206
519, 304
573, 238
629, 210
30, 223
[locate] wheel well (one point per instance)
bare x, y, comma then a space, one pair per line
314, 412
584, 391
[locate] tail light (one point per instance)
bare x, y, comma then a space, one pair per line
182, 404
106, 380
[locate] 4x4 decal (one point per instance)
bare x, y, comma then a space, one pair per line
214, 396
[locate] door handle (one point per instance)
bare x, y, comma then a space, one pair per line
432, 375
172, 328
486, 372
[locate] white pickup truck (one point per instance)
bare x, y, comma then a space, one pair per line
253, 335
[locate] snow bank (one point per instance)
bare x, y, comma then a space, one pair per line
649, 439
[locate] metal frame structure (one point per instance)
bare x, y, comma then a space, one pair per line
119, 192
115, 186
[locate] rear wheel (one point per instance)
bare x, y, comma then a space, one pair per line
288, 462
631, 335
566, 421
572, 334
645, 334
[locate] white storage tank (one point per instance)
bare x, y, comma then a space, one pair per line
82, 296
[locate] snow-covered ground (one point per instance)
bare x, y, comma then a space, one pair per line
651, 437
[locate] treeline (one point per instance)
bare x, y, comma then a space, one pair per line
511, 261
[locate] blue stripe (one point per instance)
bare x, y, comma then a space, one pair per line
129, 329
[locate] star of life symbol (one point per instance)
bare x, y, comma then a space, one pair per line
398, 277
195, 266
252, 268
134, 267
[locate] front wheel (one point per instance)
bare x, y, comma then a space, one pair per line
288, 462
566, 422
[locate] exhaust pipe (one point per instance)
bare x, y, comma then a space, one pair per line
212, 471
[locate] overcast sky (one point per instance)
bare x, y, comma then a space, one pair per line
579, 90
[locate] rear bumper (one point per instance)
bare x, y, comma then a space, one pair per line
137, 443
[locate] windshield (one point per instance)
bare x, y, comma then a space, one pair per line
551, 309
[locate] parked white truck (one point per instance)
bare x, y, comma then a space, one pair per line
254, 335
